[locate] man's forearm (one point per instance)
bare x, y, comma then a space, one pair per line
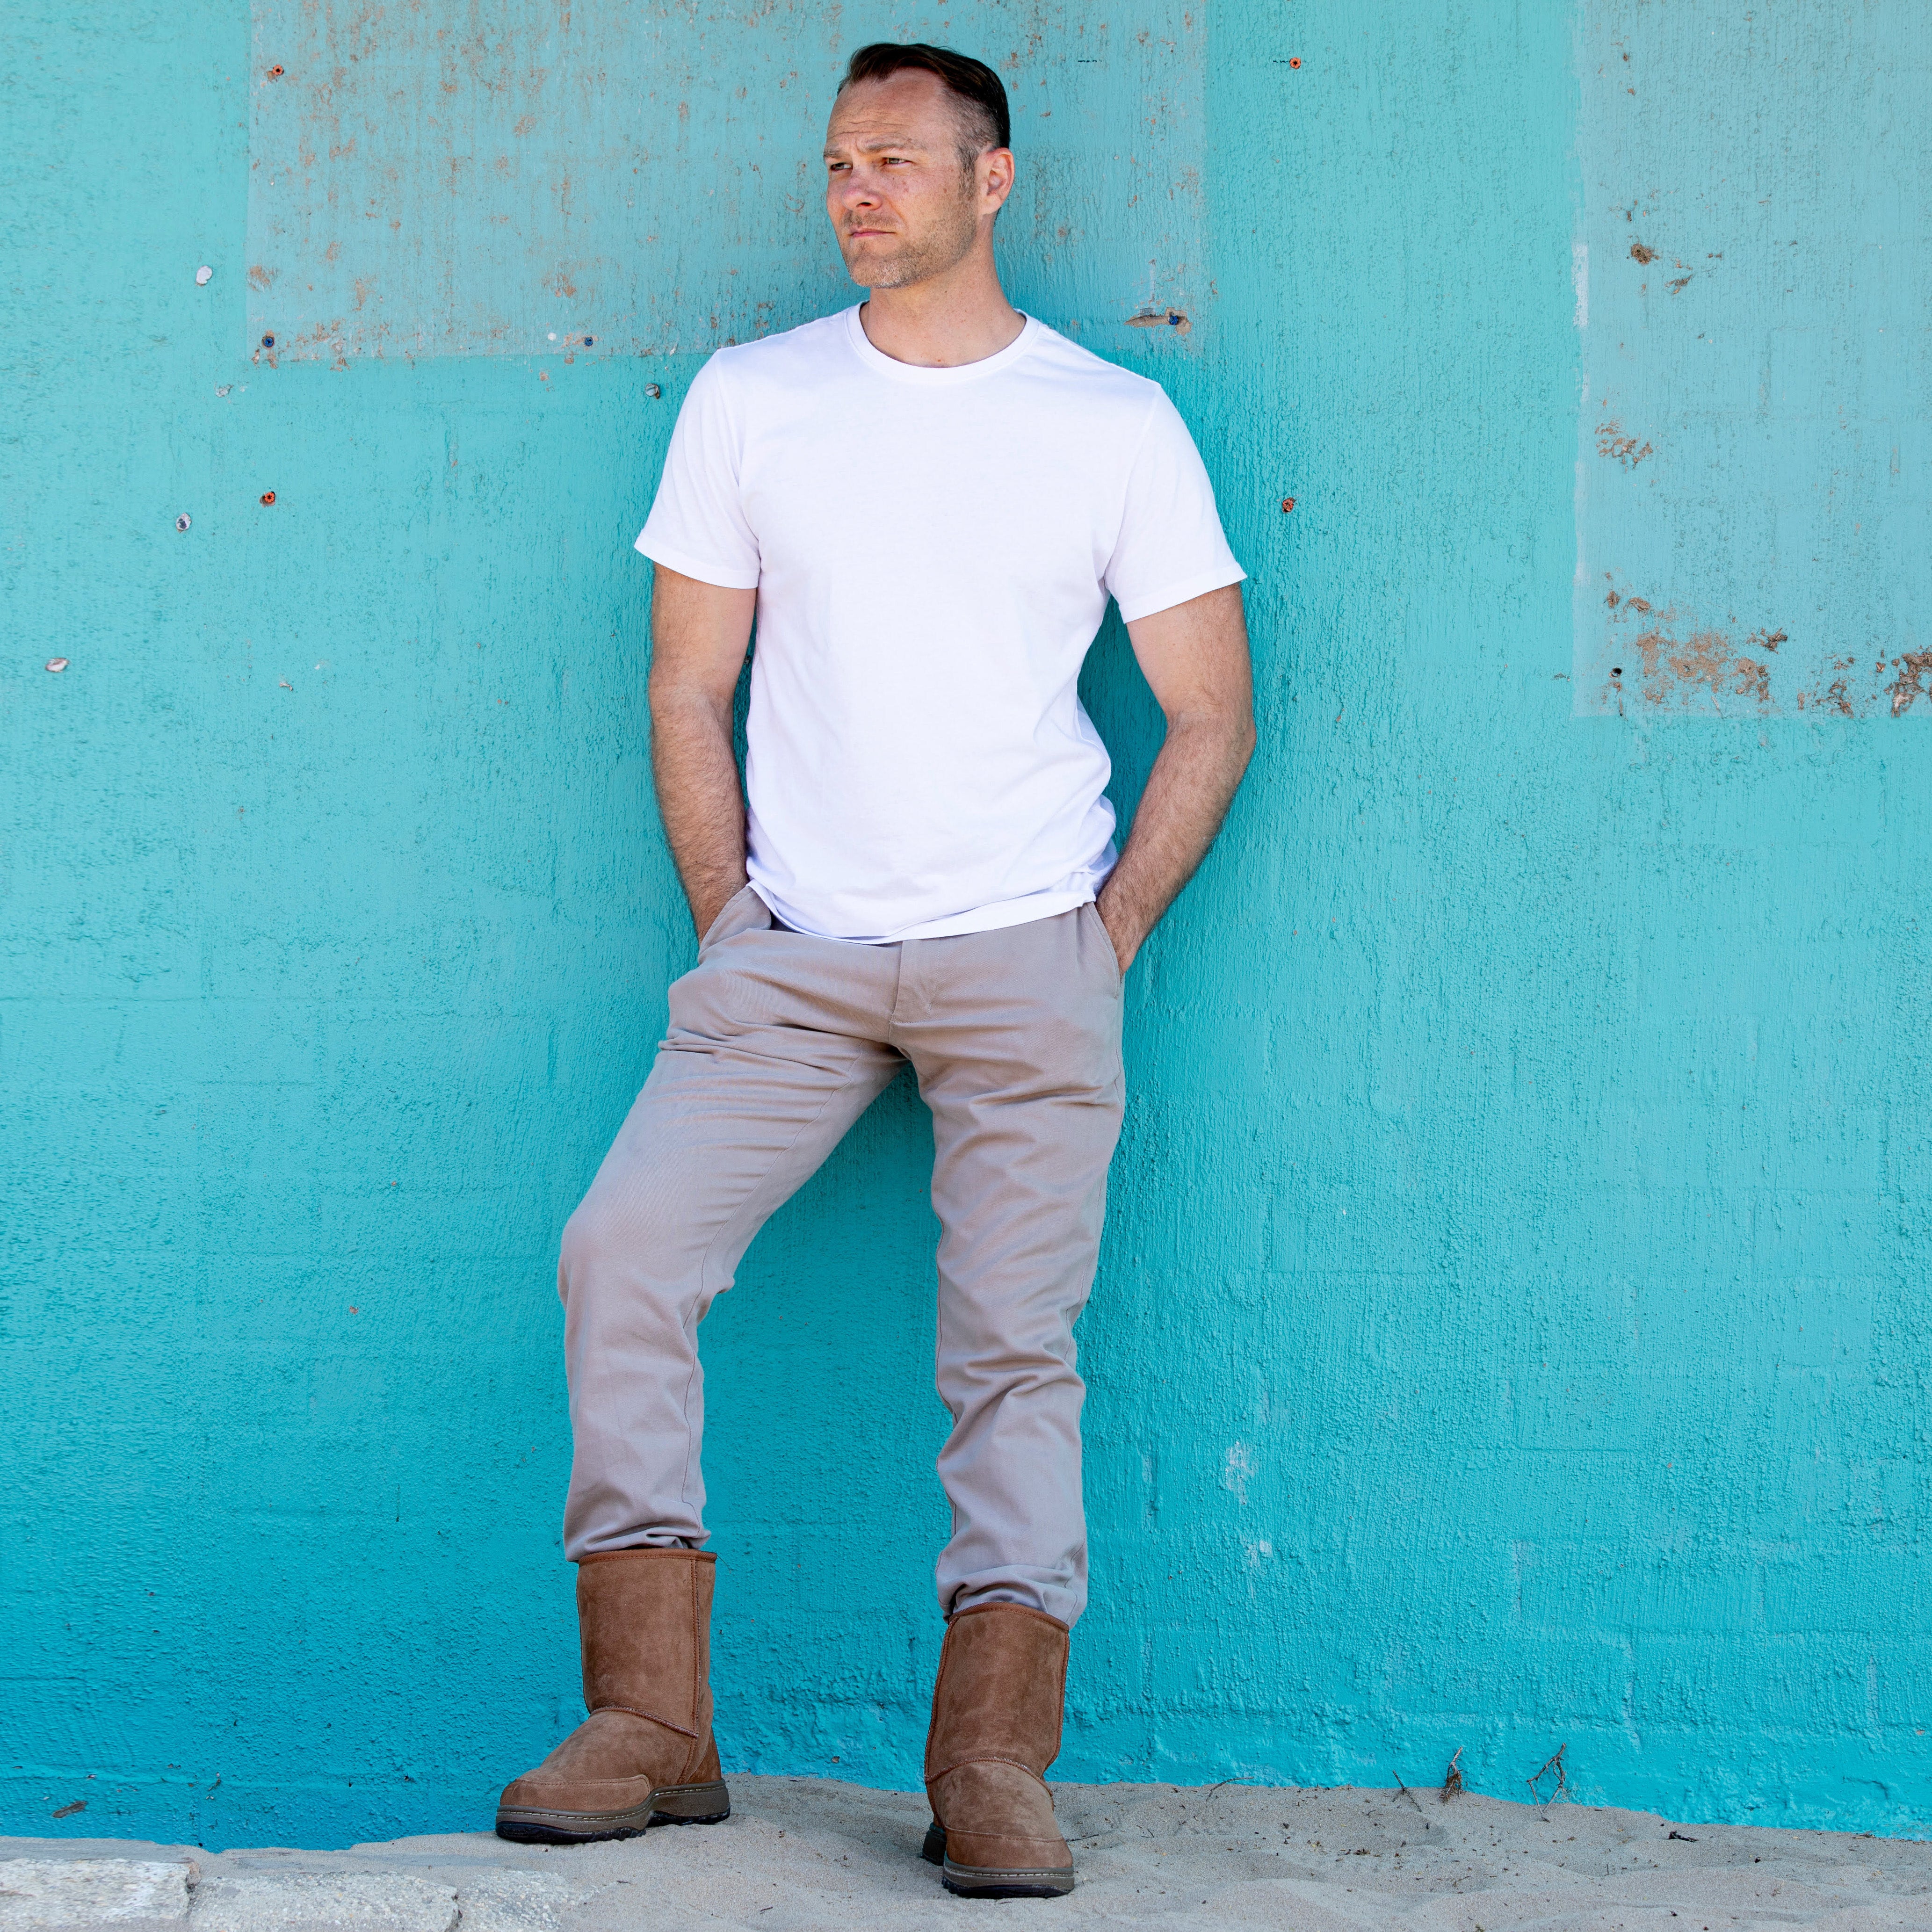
700, 801
1187, 795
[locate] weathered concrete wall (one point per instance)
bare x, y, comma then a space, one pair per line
618, 180
1513, 1329
1753, 258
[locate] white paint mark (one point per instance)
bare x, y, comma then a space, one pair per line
57, 664
553, 335
1258, 1551
1581, 580
1579, 278
1240, 1466
203, 276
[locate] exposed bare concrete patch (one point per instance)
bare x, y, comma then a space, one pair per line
45, 1894
294, 1901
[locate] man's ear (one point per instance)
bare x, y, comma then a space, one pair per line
994, 170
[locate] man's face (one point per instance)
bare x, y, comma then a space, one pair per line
903, 206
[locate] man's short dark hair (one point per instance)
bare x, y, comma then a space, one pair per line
984, 120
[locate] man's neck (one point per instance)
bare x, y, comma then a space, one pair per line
962, 316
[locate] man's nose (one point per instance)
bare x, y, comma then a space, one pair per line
857, 191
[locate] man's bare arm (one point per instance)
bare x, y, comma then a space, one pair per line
699, 635
1195, 657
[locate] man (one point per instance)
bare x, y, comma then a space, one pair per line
926, 502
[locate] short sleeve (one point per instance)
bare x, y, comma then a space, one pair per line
697, 525
1171, 547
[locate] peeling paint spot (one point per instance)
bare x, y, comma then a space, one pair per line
1701, 670
1851, 696
182, 521
1910, 682
1703, 661
1612, 443
57, 664
1639, 252
1287, 504
1169, 318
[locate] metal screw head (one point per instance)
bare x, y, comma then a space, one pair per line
268, 342
182, 521
203, 276
588, 340
652, 390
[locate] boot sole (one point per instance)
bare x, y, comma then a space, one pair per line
672, 1805
977, 1881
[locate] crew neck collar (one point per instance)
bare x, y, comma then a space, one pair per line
881, 364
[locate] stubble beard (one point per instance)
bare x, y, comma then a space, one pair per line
944, 247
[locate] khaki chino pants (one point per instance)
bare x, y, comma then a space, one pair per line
778, 1042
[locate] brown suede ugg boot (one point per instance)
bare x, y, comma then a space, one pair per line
646, 1752
996, 1712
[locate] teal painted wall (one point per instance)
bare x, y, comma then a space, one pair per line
1513, 1329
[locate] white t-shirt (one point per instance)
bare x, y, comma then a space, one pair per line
933, 550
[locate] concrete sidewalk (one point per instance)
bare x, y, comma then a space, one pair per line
806, 1852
